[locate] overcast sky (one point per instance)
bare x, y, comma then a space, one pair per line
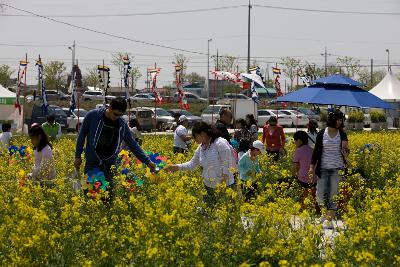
275, 33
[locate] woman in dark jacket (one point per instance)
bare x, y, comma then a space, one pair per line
329, 157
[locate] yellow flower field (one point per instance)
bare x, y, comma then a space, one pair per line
165, 222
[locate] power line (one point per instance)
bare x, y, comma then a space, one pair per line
32, 45
104, 33
204, 10
329, 11
131, 14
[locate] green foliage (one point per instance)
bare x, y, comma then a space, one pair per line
194, 77
377, 116
356, 116
54, 75
5, 75
91, 78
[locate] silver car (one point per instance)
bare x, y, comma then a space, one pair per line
163, 120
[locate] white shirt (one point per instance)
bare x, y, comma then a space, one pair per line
180, 132
44, 165
5, 138
216, 161
312, 139
331, 152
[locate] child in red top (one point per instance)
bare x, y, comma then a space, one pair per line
274, 138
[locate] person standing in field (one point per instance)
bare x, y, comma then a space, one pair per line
328, 160
274, 138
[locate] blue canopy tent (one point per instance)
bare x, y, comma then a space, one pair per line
336, 90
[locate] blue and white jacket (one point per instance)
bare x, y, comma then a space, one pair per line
91, 131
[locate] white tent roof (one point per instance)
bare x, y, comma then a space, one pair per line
4, 92
388, 89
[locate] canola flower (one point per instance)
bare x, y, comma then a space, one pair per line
167, 223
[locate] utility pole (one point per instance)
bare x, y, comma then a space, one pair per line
372, 72
73, 63
248, 39
208, 70
325, 54
388, 54
217, 61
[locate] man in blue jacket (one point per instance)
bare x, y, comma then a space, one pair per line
104, 130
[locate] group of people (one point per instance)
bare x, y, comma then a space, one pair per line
317, 161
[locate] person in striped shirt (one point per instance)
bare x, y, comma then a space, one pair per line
329, 157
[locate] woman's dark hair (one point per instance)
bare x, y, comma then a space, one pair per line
252, 120
51, 118
272, 119
37, 131
302, 136
133, 123
119, 103
333, 117
5, 127
201, 126
241, 122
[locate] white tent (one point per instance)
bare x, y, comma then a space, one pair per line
388, 89
8, 112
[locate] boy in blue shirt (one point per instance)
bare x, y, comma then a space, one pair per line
248, 168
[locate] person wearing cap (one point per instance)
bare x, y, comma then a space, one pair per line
181, 135
248, 168
52, 128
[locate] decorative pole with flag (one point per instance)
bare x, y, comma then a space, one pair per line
276, 71
181, 95
127, 71
153, 75
23, 64
104, 75
42, 86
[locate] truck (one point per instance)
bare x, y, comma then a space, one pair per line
239, 107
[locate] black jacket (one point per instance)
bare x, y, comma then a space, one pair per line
317, 154
222, 131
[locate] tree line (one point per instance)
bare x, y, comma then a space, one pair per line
56, 75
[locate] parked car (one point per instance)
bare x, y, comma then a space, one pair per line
311, 114
265, 114
53, 95
211, 113
143, 98
72, 119
176, 113
191, 98
298, 118
38, 115
163, 120
95, 96
228, 97
144, 117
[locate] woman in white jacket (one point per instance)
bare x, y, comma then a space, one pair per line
215, 156
43, 170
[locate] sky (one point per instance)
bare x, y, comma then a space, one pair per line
275, 32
